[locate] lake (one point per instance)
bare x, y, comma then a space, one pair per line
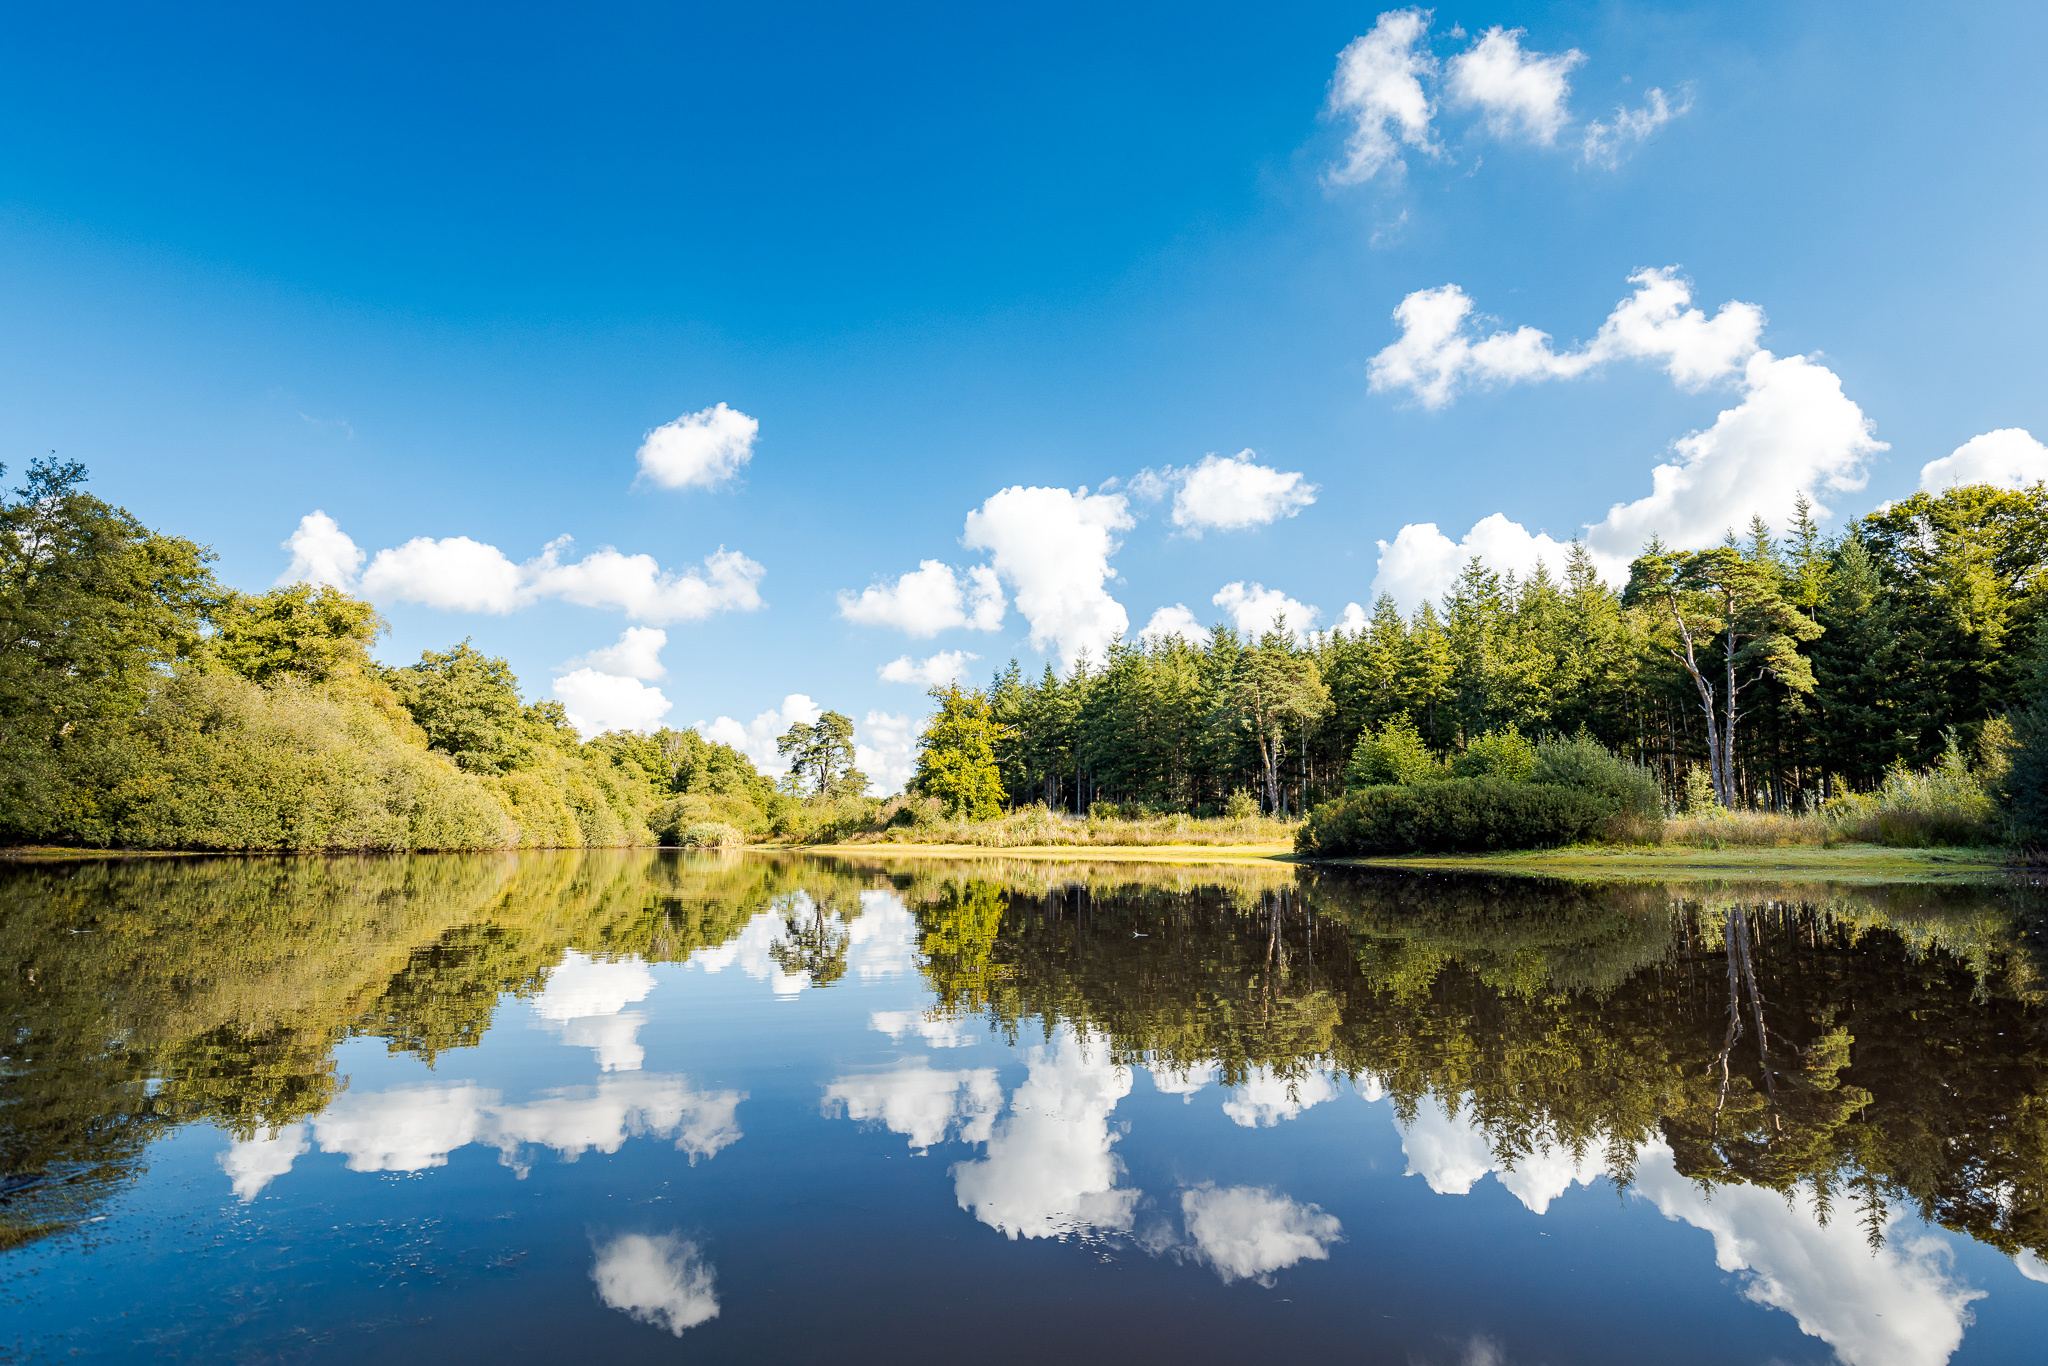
652, 1106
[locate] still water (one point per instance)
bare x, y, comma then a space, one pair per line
638, 1106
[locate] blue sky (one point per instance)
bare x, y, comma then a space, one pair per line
439, 272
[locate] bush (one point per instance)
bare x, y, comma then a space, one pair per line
1394, 754
1241, 806
1498, 754
1585, 765
2024, 785
1457, 815
1946, 805
709, 835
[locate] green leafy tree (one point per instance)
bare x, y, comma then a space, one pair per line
956, 754
93, 606
467, 703
301, 631
1274, 690
1392, 754
821, 756
1723, 602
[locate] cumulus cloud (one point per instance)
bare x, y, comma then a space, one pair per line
1352, 620
701, 450
756, 738
1184, 1084
1451, 1153
1254, 609
1421, 561
1050, 1171
414, 1128
252, 1164
599, 702
937, 1031
585, 1002
947, 666
1052, 547
1825, 1275
930, 599
1265, 1099
1605, 143
1794, 431
753, 949
322, 553
1226, 493
454, 574
636, 655
1436, 352
885, 748
2008, 457
660, 1281
642, 589
1250, 1232
1378, 86
1171, 622
458, 574
1520, 92
921, 1103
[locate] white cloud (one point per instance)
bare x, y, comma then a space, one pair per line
1604, 143
703, 449
1825, 1274
1520, 92
406, 1130
1434, 354
1794, 431
2031, 1265
637, 655
598, 702
1378, 84
458, 574
321, 553
1353, 620
921, 1103
639, 587
882, 940
1452, 1153
577, 1120
1265, 1099
1226, 493
885, 748
454, 574
252, 1164
2009, 458
752, 950
1173, 621
1254, 608
937, 1031
947, 666
1050, 1171
928, 600
1184, 1084
756, 738
1249, 1232
1420, 562
661, 1281
1052, 546
585, 1001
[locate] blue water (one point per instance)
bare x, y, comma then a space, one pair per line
717, 1160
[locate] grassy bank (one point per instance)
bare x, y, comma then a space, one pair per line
1867, 863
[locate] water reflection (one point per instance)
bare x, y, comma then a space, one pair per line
1809, 1076
663, 1281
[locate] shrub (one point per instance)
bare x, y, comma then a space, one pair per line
709, 835
1498, 754
1392, 754
1451, 816
1585, 765
1946, 805
2024, 785
1241, 806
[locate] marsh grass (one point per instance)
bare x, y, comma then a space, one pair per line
908, 821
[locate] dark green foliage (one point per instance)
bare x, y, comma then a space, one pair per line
1583, 764
1455, 816
468, 704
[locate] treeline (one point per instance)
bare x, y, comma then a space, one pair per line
1785, 671
145, 705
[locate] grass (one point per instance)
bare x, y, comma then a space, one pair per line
1839, 862
1034, 827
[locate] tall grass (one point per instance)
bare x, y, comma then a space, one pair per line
910, 820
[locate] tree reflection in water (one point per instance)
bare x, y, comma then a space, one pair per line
1862, 1047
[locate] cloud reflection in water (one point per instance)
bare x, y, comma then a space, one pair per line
663, 1281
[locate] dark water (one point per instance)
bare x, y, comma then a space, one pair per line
648, 1107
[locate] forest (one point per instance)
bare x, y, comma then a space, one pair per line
144, 704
